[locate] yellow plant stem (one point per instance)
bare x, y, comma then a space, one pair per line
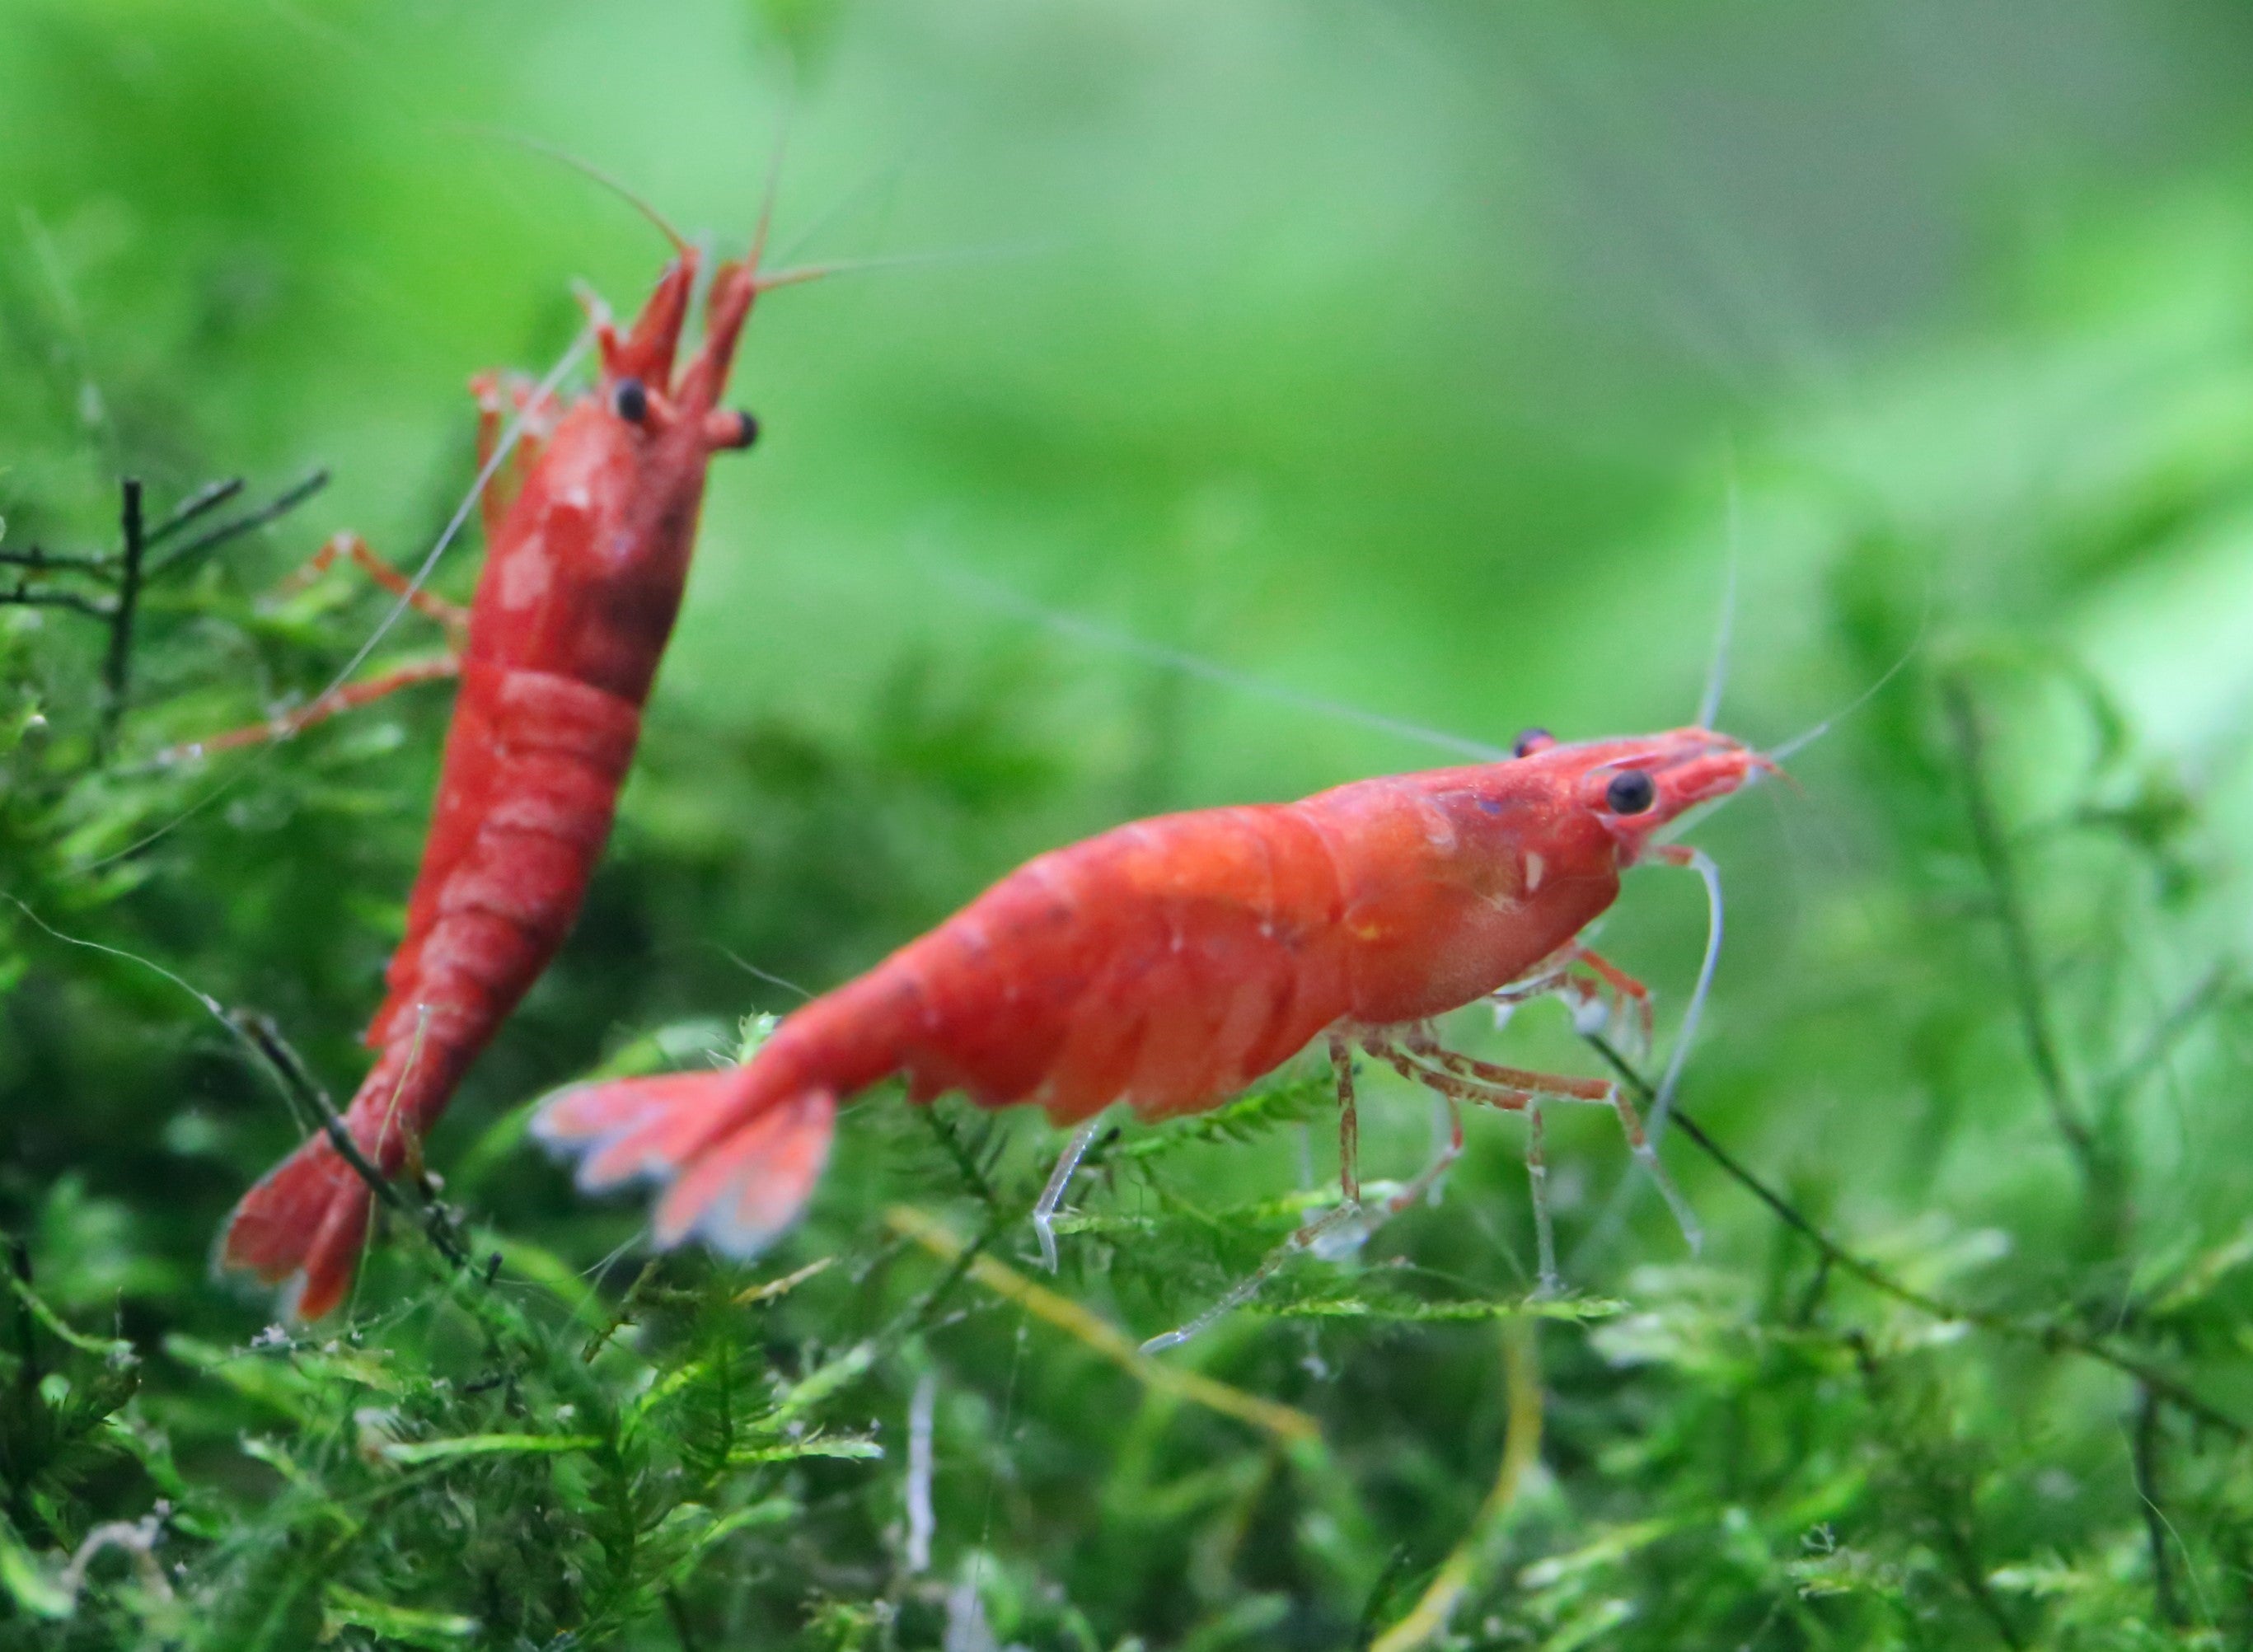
1467, 1567
774, 1288
1286, 1423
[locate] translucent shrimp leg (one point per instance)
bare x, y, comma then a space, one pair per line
353, 549
432, 668
1340, 1049
498, 395
1598, 1091
1549, 1282
1612, 995
1052, 1195
1321, 1235
1631, 998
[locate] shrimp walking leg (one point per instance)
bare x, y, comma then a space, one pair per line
1512, 1090
1631, 999
1507, 999
1336, 1232
1647, 1157
1537, 1180
1052, 1196
1517, 1081
1309, 1238
1597, 991
353, 549
436, 668
498, 396
1350, 1235
433, 668
1348, 1120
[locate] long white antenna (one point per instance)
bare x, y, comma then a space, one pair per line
1072, 625
1615, 1212
1702, 864
1807, 737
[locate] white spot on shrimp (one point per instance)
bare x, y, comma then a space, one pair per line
524, 576
1438, 831
1535, 867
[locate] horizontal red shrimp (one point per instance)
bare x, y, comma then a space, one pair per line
589, 538
1170, 962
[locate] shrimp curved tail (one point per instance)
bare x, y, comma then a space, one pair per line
737, 1159
306, 1223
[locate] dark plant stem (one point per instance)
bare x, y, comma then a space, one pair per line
283, 503
1804, 1314
117, 667
964, 1160
2114, 1090
2043, 1333
676, 1612
20, 1263
207, 497
624, 1315
57, 562
1995, 859
298, 1081
1971, 1571
28, 1375
2145, 1458
23, 596
133, 567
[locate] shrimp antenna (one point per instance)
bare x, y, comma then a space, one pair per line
769, 191
996, 594
876, 183
1807, 737
1654, 1124
802, 273
1702, 864
1717, 672
588, 169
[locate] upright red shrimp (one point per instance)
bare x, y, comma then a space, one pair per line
583, 579
1170, 962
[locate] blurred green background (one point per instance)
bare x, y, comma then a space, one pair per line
1436, 361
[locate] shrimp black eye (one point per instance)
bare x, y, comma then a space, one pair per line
1532, 741
747, 429
630, 401
1631, 792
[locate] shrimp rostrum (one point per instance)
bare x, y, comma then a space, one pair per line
1170, 962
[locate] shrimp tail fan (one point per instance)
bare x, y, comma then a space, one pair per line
302, 1227
735, 1163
